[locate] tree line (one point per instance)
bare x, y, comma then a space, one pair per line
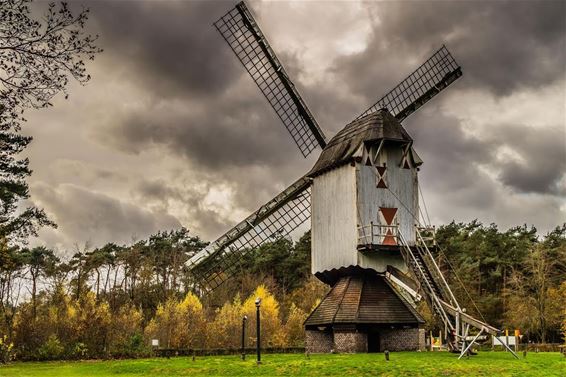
112, 300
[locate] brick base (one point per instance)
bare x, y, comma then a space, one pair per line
402, 339
354, 341
318, 341
350, 342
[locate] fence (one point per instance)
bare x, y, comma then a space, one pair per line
170, 352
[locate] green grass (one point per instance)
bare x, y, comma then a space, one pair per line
401, 364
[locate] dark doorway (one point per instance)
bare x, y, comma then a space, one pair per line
373, 341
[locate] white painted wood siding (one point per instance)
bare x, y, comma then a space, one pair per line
401, 194
333, 219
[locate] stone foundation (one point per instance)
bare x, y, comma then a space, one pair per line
318, 341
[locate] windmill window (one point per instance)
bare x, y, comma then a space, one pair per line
381, 177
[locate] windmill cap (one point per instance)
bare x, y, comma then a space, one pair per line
341, 148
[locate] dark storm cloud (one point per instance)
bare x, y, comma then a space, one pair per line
202, 105
527, 159
452, 159
234, 132
501, 45
543, 159
171, 47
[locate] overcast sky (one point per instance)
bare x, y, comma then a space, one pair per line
172, 132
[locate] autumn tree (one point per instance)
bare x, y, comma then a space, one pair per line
294, 327
179, 324
225, 330
535, 295
272, 334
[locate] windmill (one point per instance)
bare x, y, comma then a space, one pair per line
362, 199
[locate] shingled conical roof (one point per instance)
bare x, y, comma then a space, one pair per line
341, 148
363, 299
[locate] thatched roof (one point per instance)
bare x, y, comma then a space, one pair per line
363, 299
341, 148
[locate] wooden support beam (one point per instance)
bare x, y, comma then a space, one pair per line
470, 345
465, 317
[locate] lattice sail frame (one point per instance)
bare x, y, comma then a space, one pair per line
276, 219
244, 36
434, 75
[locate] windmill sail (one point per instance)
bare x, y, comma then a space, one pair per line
244, 36
277, 218
433, 76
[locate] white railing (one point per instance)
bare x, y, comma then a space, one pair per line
375, 234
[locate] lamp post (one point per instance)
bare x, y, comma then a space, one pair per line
258, 343
244, 319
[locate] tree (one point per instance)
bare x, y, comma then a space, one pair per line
225, 330
179, 324
535, 296
294, 328
169, 252
271, 329
11, 274
38, 56
41, 262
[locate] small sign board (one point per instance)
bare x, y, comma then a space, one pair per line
155, 342
509, 340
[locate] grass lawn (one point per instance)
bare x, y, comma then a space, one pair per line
401, 364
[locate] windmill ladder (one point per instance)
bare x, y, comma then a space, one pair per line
441, 299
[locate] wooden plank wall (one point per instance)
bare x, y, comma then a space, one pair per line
333, 219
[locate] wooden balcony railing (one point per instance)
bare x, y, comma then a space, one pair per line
377, 234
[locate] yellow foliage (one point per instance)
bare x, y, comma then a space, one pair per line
126, 323
190, 303
179, 324
269, 313
225, 330
294, 329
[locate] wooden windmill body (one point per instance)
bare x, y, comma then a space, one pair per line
362, 199
364, 195
364, 192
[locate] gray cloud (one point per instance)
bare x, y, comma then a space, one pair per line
170, 47
501, 45
543, 162
83, 216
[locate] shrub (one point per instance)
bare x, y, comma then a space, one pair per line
6, 350
51, 349
79, 351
